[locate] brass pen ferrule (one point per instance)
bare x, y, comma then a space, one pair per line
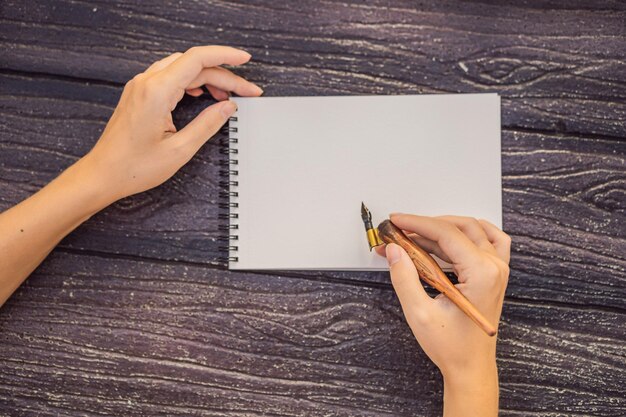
373, 239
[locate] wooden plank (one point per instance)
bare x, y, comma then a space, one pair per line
565, 64
563, 195
107, 334
90, 335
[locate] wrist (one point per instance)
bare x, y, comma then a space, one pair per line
462, 378
472, 392
92, 183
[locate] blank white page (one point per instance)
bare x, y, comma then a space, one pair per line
306, 163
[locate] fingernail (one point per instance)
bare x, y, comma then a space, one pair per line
257, 90
228, 109
393, 253
395, 213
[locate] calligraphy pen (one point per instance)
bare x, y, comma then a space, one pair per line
427, 268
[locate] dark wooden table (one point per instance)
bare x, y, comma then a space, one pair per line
135, 312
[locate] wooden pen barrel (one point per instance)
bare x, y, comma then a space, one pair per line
431, 273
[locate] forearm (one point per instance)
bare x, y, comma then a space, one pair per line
30, 230
471, 394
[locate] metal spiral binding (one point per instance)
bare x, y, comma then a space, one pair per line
229, 184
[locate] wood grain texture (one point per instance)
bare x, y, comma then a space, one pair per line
93, 335
563, 196
135, 314
565, 63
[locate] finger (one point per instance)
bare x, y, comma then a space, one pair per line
429, 246
204, 126
415, 302
500, 240
219, 95
453, 243
195, 92
163, 63
473, 230
226, 81
426, 244
187, 67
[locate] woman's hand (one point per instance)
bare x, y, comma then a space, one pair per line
466, 356
140, 147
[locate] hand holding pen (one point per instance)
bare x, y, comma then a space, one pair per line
465, 355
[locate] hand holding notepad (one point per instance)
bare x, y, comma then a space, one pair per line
304, 164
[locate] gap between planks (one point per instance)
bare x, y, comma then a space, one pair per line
520, 129
324, 279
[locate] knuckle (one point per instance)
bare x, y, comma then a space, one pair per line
492, 269
446, 226
449, 232
495, 271
136, 80
469, 224
149, 87
194, 50
139, 78
491, 272
473, 222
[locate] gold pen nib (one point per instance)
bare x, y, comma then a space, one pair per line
372, 233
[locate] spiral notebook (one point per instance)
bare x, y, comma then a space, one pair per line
300, 167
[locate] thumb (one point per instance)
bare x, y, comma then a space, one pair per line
416, 303
206, 124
